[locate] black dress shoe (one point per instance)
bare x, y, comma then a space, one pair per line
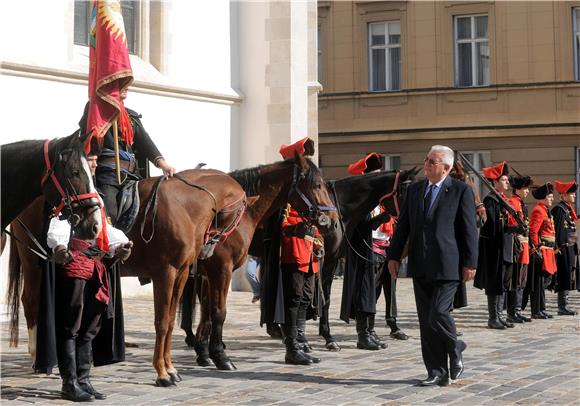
548, 315
564, 311
506, 323
539, 316
513, 318
456, 365
496, 324
435, 381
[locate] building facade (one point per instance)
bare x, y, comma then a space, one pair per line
497, 80
221, 82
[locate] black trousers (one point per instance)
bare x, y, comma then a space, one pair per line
384, 283
434, 300
78, 312
298, 292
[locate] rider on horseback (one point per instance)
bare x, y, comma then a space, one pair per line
120, 200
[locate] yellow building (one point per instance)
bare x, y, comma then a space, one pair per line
496, 79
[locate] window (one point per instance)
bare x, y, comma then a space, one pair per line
82, 23
385, 56
479, 160
471, 51
576, 39
391, 162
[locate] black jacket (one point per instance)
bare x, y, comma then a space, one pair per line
446, 240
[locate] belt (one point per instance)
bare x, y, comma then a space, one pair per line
129, 166
547, 243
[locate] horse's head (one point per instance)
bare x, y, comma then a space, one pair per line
308, 194
398, 183
68, 186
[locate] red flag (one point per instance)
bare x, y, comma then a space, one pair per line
110, 67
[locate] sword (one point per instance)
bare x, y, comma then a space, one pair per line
500, 198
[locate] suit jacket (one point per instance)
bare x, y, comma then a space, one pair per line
443, 242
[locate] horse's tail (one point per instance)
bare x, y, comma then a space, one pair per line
187, 302
14, 291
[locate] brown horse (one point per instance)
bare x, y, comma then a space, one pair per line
57, 169
190, 213
276, 184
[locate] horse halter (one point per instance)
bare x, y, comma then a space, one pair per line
314, 212
393, 194
67, 200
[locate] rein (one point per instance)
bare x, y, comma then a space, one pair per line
66, 199
152, 207
41, 252
314, 212
343, 228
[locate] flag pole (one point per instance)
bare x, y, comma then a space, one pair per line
117, 160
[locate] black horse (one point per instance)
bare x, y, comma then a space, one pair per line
355, 197
57, 169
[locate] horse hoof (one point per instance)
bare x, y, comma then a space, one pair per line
175, 377
225, 365
203, 362
332, 346
164, 382
190, 341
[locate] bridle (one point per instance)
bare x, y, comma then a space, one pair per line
393, 194
314, 212
67, 200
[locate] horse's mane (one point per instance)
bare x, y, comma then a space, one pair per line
249, 179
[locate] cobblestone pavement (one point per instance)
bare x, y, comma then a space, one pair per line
536, 363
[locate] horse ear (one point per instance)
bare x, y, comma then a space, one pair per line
252, 199
301, 161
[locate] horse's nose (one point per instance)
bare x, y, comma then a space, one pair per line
95, 229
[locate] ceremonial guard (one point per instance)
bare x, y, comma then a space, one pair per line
293, 248
565, 219
359, 289
542, 242
121, 200
521, 189
83, 293
494, 269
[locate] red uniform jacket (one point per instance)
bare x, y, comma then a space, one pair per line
296, 250
516, 202
543, 236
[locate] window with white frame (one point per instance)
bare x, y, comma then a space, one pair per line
385, 56
471, 51
479, 160
82, 23
576, 39
391, 162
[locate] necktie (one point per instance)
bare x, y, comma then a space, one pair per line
427, 202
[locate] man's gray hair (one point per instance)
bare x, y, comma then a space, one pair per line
448, 154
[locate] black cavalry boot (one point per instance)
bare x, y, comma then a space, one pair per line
499, 304
294, 355
512, 316
373, 333
493, 322
84, 354
365, 342
519, 306
67, 366
301, 335
563, 309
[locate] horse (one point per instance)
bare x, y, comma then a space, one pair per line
275, 184
355, 197
57, 169
179, 216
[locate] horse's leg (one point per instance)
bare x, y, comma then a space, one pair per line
204, 327
179, 284
162, 291
324, 324
219, 283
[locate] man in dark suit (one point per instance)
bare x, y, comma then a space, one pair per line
438, 221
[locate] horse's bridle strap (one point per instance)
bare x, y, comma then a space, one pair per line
393, 194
